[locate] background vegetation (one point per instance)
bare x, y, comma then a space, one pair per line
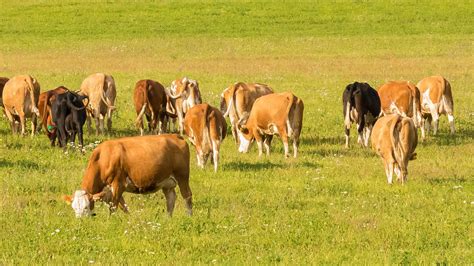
330, 205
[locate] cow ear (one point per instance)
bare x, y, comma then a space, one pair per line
67, 199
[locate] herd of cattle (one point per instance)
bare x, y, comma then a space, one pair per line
388, 116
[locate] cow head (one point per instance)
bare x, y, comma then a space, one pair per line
82, 202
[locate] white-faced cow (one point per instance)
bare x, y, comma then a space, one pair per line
150, 100
394, 139
183, 94
101, 91
276, 113
237, 101
206, 129
361, 104
139, 165
20, 99
401, 97
437, 99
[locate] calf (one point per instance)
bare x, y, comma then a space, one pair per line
401, 97
183, 95
137, 165
437, 99
360, 104
206, 129
20, 100
69, 115
276, 113
237, 101
394, 139
150, 100
44, 105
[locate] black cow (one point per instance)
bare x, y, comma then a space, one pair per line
361, 104
69, 115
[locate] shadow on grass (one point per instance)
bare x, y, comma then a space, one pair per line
444, 180
318, 140
24, 164
246, 166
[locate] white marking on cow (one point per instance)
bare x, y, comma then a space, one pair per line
450, 118
81, 204
347, 120
244, 143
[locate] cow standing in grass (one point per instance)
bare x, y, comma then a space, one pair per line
101, 92
150, 101
206, 129
361, 104
44, 105
276, 113
394, 139
237, 101
437, 99
183, 94
401, 97
20, 99
138, 165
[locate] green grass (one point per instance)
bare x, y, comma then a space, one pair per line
330, 205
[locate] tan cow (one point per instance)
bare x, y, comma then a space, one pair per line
401, 97
183, 94
20, 99
276, 113
150, 100
394, 138
44, 104
237, 101
101, 90
437, 99
3, 81
206, 129
137, 165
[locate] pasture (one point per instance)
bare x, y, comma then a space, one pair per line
330, 205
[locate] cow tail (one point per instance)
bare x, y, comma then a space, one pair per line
142, 111
44, 119
396, 135
29, 82
290, 110
448, 97
347, 117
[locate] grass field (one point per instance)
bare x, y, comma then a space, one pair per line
330, 205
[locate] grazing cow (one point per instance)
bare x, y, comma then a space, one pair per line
437, 99
44, 105
3, 81
275, 113
137, 165
20, 100
150, 100
101, 91
237, 101
206, 129
394, 139
183, 95
69, 115
401, 97
360, 104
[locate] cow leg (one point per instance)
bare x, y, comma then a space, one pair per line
390, 173
109, 120
11, 119
267, 143
451, 123
180, 122
284, 139
422, 127
22, 123
259, 140
296, 144
347, 132
234, 133
89, 124
183, 182
215, 154
170, 195
80, 137
397, 172
123, 205
101, 124
33, 125
368, 131
435, 126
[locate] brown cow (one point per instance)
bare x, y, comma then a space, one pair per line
401, 97
276, 113
206, 129
20, 100
3, 81
237, 101
138, 165
395, 138
437, 99
44, 105
183, 95
150, 100
101, 91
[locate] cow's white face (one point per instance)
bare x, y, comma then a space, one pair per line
81, 204
244, 142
